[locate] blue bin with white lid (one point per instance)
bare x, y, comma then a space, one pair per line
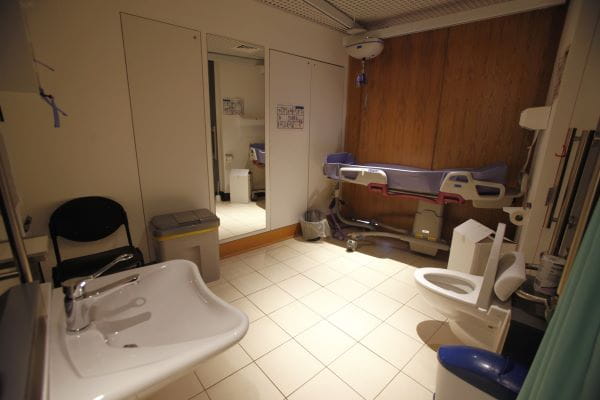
470, 373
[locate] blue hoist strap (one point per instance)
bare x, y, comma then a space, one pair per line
48, 98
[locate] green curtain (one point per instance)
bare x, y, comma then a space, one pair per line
567, 364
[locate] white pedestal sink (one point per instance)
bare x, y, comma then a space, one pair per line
165, 323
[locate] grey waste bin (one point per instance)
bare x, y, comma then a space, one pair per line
190, 235
314, 225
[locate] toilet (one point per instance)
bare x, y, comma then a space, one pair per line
477, 307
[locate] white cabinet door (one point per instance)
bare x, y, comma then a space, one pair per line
326, 124
16, 56
164, 70
289, 84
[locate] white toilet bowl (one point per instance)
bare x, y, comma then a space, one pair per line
475, 314
455, 294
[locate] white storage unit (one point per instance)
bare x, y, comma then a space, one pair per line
240, 185
16, 56
164, 70
296, 154
289, 84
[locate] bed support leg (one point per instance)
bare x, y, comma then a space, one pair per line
427, 225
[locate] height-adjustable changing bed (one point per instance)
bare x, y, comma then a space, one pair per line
484, 186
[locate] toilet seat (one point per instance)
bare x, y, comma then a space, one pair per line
456, 285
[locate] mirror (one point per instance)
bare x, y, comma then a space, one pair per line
236, 74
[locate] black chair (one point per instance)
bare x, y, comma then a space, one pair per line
87, 219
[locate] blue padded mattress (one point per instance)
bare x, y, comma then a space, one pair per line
257, 150
412, 179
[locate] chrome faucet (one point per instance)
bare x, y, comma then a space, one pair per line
79, 301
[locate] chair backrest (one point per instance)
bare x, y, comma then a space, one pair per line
87, 219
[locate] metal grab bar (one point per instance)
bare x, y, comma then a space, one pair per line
11, 220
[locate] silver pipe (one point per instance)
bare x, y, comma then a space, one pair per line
13, 229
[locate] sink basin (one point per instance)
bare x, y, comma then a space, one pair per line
165, 322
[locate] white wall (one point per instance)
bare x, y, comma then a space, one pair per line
242, 79
326, 129
94, 150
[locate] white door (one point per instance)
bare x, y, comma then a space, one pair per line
326, 124
164, 71
289, 85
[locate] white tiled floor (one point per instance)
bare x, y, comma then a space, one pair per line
324, 324
239, 218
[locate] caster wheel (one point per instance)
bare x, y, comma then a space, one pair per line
351, 245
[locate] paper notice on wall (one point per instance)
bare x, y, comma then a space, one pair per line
233, 106
290, 116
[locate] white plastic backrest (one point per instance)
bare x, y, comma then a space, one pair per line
511, 274
491, 268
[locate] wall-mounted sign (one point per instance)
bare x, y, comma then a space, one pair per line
233, 106
290, 116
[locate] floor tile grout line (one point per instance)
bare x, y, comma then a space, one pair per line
350, 348
399, 331
274, 348
206, 388
378, 356
303, 330
416, 381
299, 344
308, 380
199, 380
252, 361
326, 317
323, 369
338, 356
278, 308
326, 366
373, 290
386, 385
269, 378
287, 291
419, 311
353, 344
325, 286
346, 383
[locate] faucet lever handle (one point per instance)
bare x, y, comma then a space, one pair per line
121, 258
75, 287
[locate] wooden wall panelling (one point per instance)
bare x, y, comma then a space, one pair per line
450, 98
353, 108
494, 70
398, 116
